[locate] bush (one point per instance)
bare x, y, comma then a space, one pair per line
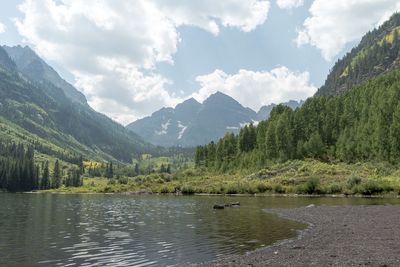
123, 180
371, 187
250, 189
311, 186
107, 189
262, 188
187, 190
334, 189
232, 189
215, 190
279, 189
165, 190
353, 181
111, 182
166, 177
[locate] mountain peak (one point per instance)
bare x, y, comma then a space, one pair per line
6, 61
219, 98
193, 123
31, 65
219, 94
189, 102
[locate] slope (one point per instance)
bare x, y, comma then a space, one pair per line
377, 53
30, 100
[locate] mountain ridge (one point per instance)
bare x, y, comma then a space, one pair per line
30, 64
53, 114
193, 123
377, 53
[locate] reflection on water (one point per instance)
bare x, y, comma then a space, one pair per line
122, 230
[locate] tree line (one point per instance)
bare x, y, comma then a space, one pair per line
18, 171
110, 170
362, 124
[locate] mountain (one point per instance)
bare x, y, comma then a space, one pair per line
192, 123
219, 114
31, 65
39, 108
358, 122
377, 53
265, 111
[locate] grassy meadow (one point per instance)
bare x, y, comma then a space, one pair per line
308, 177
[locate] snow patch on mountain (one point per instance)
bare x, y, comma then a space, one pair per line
164, 128
182, 131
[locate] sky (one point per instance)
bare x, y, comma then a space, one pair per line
131, 58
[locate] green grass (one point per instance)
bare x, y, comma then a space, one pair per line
293, 177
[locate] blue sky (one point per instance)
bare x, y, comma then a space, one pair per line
132, 59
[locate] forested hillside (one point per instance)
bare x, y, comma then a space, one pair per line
362, 124
377, 53
57, 124
19, 171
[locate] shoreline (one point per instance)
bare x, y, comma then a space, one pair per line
336, 236
376, 196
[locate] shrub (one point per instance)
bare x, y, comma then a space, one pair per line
111, 182
279, 189
123, 180
311, 186
159, 181
334, 189
262, 188
353, 181
165, 190
187, 190
232, 189
388, 187
371, 187
166, 177
107, 189
215, 190
251, 189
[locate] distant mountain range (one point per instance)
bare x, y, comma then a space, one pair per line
192, 123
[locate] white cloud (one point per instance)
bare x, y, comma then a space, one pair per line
289, 4
113, 46
255, 89
2, 28
333, 24
209, 14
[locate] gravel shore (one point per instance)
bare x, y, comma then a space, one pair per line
336, 236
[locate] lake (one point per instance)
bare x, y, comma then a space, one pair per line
127, 230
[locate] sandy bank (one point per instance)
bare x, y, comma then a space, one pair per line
337, 236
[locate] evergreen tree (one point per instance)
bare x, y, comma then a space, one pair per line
314, 147
361, 124
395, 136
45, 181
56, 183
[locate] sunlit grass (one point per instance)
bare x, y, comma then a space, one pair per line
292, 177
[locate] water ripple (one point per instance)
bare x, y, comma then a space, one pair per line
116, 230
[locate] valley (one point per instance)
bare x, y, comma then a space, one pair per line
80, 188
